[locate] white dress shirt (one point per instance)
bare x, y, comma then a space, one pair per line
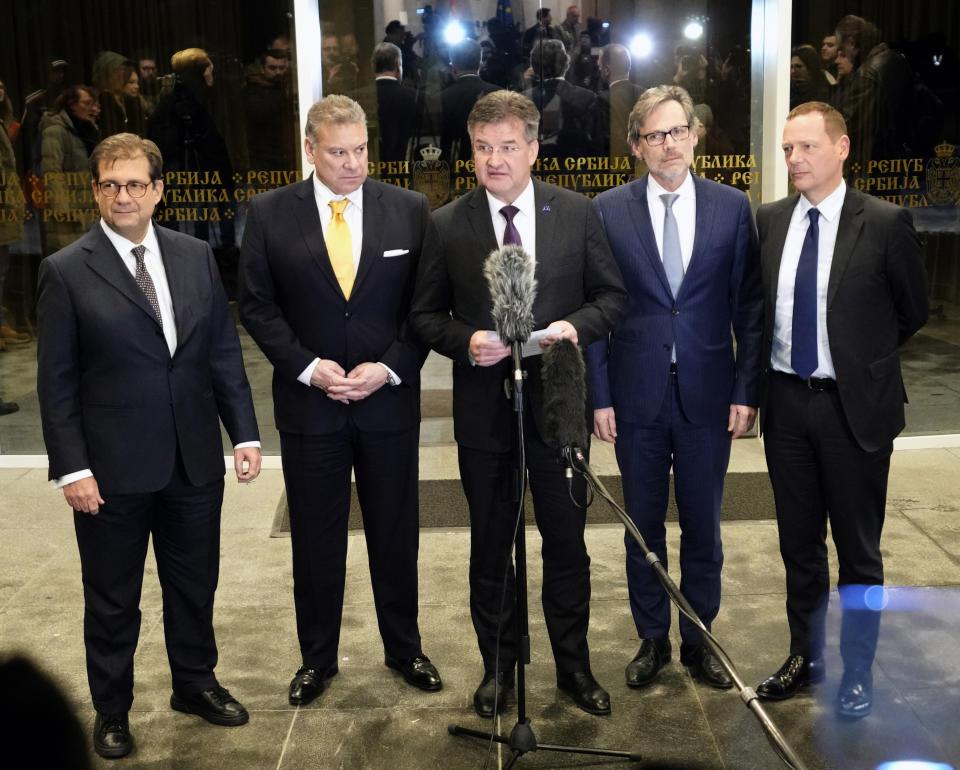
154, 264
525, 220
158, 274
828, 224
353, 214
684, 211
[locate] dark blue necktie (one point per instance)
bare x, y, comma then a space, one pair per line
803, 356
510, 232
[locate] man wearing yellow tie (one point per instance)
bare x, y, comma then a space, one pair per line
326, 275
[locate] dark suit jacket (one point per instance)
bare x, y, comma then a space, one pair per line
294, 309
876, 300
398, 110
577, 281
457, 100
111, 397
569, 118
720, 290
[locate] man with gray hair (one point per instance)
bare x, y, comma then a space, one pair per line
579, 297
326, 269
668, 388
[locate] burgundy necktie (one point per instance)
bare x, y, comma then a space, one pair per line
510, 234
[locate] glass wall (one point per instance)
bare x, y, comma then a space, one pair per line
230, 132
212, 82
892, 69
583, 69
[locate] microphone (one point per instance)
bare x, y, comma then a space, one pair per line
564, 396
564, 392
509, 271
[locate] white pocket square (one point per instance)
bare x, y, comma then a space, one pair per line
396, 252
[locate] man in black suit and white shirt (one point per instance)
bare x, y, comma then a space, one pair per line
580, 297
327, 268
844, 288
138, 355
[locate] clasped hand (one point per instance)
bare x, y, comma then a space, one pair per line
363, 380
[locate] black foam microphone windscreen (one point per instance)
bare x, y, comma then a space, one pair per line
564, 395
509, 272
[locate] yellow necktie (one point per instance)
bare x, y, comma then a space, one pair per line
340, 247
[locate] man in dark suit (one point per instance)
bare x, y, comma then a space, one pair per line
569, 118
579, 297
617, 100
844, 288
458, 99
398, 106
327, 268
138, 355
668, 387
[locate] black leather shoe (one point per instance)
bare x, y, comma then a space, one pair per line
308, 683
111, 735
855, 696
418, 671
491, 695
653, 655
586, 693
216, 705
8, 407
796, 673
703, 665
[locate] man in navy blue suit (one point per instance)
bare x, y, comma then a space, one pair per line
668, 388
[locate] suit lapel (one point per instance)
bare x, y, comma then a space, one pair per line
645, 235
478, 215
311, 230
850, 225
706, 210
373, 219
546, 216
104, 260
177, 281
772, 247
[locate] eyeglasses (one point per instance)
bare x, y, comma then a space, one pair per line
656, 138
134, 189
507, 150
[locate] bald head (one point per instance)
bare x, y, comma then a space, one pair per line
615, 62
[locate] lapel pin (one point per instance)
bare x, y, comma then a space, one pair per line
545, 207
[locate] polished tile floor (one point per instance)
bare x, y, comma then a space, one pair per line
370, 719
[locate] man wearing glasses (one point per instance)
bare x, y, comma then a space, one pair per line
138, 357
668, 388
579, 297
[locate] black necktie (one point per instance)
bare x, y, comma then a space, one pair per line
145, 282
510, 233
803, 347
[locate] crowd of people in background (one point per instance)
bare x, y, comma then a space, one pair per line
231, 118
890, 111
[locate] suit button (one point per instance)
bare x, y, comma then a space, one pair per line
170, 368
347, 315
675, 312
666, 346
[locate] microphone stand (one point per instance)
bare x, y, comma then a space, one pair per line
747, 694
522, 739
